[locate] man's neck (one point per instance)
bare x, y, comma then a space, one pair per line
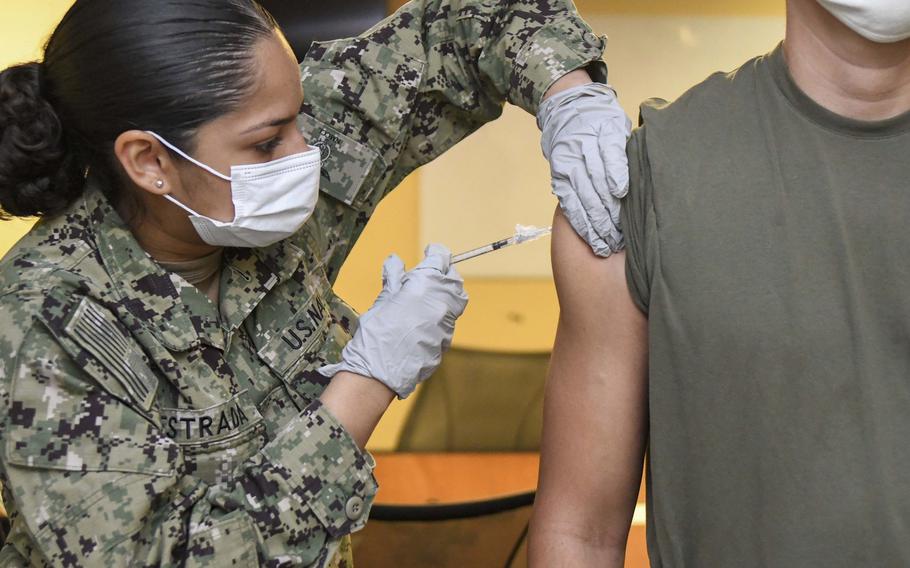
842, 71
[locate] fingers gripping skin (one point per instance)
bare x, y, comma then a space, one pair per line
595, 412
584, 136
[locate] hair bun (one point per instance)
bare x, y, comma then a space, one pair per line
37, 174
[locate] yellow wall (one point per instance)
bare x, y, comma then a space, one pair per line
25, 26
684, 7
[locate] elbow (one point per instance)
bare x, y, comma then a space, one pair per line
554, 540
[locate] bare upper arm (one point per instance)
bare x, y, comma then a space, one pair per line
586, 281
595, 417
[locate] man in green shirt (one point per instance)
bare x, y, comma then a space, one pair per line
755, 338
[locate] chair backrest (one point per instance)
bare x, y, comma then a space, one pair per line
479, 534
479, 401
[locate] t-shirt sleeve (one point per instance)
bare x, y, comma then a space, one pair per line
638, 222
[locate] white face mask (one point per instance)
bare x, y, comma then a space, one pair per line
272, 201
881, 21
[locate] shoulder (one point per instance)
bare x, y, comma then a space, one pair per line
61, 336
674, 153
55, 250
29, 315
55, 264
714, 103
52, 247
681, 146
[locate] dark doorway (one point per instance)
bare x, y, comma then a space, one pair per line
306, 21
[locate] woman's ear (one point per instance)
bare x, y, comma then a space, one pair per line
145, 161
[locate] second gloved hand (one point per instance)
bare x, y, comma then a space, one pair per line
584, 136
401, 339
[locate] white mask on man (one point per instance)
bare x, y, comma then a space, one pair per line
881, 21
272, 201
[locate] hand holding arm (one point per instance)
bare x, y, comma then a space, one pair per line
585, 132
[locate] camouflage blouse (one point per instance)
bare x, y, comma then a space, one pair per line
142, 424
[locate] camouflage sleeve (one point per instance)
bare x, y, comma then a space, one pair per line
94, 482
383, 104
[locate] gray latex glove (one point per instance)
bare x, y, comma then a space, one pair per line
401, 339
585, 132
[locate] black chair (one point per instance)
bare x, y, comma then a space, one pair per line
479, 401
479, 534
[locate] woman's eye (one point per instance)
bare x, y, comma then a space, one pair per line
269, 147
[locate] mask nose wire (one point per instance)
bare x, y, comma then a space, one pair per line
189, 158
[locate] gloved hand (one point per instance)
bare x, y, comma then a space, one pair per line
401, 339
585, 132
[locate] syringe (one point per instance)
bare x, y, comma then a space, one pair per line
523, 234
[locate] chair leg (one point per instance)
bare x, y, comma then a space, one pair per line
519, 542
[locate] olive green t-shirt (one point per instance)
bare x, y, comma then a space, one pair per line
769, 244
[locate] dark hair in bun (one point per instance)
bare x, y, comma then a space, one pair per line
113, 66
37, 174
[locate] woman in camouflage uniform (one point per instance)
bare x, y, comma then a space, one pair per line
161, 395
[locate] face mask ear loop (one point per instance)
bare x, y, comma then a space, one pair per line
181, 205
183, 154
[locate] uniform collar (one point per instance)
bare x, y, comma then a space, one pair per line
251, 274
161, 300
140, 284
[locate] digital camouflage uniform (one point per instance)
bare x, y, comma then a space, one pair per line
143, 425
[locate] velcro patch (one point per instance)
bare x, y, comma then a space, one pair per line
209, 425
345, 162
304, 329
98, 332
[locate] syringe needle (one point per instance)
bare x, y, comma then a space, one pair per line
522, 235
480, 251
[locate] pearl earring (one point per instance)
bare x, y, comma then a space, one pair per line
159, 184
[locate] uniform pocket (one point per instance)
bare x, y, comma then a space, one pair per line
81, 463
232, 541
346, 164
359, 94
60, 420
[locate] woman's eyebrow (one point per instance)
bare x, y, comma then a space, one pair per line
271, 124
